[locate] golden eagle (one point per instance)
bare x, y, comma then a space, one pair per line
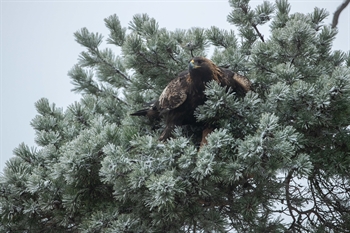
185, 93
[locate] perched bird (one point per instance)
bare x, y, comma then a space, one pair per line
185, 93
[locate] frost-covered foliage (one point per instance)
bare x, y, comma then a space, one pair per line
277, 161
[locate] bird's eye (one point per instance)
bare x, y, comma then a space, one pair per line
199, 62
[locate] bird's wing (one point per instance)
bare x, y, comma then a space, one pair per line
175, 93
238, 83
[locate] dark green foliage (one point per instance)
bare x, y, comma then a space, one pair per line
278, 160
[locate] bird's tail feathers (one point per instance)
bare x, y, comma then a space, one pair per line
142, 112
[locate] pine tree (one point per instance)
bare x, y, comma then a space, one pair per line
278, 160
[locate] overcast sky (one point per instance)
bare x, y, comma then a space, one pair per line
38, 47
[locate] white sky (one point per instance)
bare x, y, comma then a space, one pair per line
38, 48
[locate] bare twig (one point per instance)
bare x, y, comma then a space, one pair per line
259, 34
337, 13
120, 100
288, 198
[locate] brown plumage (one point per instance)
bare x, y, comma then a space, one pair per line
185, 93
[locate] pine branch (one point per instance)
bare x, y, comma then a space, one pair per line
101, 92
158, 64
170, 52
337, 13
117, 71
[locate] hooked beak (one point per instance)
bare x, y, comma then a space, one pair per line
192, 65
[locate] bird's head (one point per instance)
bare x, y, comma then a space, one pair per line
203, 68
197, 63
